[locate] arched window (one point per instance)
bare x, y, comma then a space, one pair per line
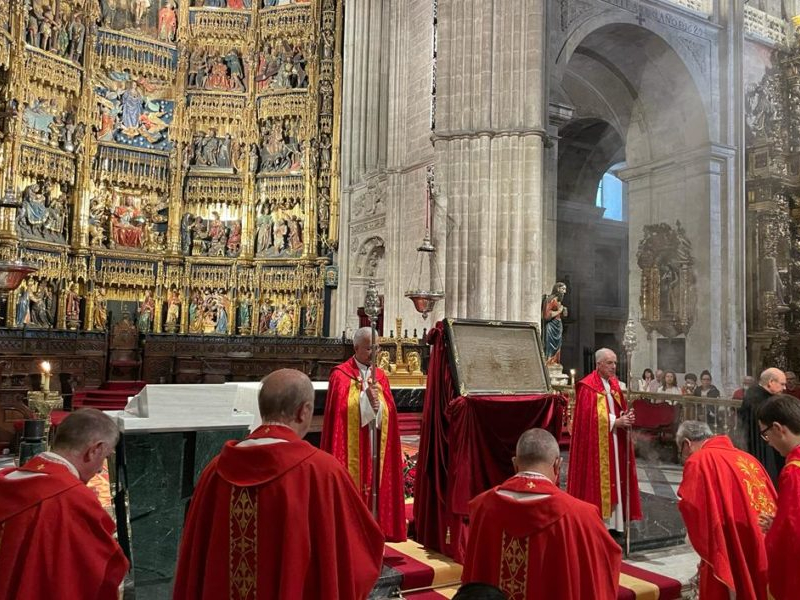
611, 196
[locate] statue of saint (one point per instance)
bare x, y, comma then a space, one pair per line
173, 309
147, 310
73, 306
552, 329
100, 314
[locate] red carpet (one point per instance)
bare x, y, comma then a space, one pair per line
112, 395
422, 568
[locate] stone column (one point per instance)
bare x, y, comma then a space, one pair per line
490, 129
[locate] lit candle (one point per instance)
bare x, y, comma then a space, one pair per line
45, 376
572, 377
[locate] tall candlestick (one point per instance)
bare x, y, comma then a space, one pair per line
45, 376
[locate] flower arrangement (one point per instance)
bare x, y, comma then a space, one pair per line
409, 474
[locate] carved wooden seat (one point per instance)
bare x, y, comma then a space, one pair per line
124, 354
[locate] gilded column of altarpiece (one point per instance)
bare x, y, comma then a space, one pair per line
178, 157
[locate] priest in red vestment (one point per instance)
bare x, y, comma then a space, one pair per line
600, 466
779, 420
357, 401
722, 494
532, 540
274, 517
56, 540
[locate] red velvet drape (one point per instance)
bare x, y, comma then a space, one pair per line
466, 445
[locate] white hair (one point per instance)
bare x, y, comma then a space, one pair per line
694, 431
363, 335
598, 356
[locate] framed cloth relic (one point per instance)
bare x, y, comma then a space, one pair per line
496, 357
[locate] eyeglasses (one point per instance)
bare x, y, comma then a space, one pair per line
763, 432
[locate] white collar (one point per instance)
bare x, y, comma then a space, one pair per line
361, 366
57, 458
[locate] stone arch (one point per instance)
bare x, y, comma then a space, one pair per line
369, 260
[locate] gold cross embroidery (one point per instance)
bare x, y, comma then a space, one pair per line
531, 485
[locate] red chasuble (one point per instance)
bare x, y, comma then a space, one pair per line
343, 436
277, 521
591, 453
56, 541
554, 548
722, 493
783, 537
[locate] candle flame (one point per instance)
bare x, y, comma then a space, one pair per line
46, 368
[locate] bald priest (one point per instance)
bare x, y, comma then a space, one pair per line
533, 540
274, 517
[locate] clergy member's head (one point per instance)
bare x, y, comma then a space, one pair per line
779, 422
86, 438
690, 437
479, 591
773, 380
537, 450
287, 396
362, 345
606, 362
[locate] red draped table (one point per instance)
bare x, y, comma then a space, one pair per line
466, 446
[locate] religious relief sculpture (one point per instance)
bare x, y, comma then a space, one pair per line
210, 70
36, 304
552, 328
277, 3
281, 148
210, 237
209, 311
668, 292
134, 222
279, 230
134, 112
245, 313
281, 66
44, 122
60, 32
44, 213
211, 152
154, 18
172, 322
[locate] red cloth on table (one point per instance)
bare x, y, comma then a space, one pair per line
520, 545
56, 541
722, 493
781, 539
591, 476
280, 520
349, 443
466, 445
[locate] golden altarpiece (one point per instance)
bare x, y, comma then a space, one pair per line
175, 161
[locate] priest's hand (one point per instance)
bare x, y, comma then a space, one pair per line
765, 521
625, 420
373, 395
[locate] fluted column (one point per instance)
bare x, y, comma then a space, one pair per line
490, 130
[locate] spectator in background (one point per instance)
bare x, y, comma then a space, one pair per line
670, 385
747, 383
689, 384
791, 384
659, 379
648, 381
706, 389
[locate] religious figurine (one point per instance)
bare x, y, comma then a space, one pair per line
100, 312
222, 313
310, 327
235, 239
23, 305
173, 312
264, 317
167, 22
77, 36
245, 311
32, 215
383, 361
73, 307
414, 363
295, 235
286, 322
42, 313
186, 234
146, 313
552, 312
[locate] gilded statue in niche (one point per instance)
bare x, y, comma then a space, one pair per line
44, 214
100, 310
281, 66
134, 112
72, 306
157, 19
210, 236
668, 293
172, 321
145, 313
245, 313
210, 70
209, 151
279, 229
126, 220
36, 304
